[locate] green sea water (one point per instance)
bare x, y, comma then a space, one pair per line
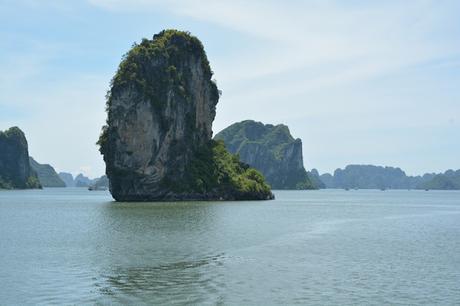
328, 247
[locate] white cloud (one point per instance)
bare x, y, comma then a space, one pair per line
302, 34
63, 121
302, 55
318, 66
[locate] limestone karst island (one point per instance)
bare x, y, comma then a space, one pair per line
157, 144
272, 150
15, 170
159, 152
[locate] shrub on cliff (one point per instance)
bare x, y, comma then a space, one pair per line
214, 168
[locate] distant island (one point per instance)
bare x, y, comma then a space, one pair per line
101, 183
273, 151
157, 144
18, 170
378, 177
449, 180
83, 181
15, 169
46, 174
79, 181
315, 179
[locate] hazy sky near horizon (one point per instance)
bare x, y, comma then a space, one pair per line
368, 82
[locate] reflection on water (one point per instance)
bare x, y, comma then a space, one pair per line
72, 246
159, 251
186, 282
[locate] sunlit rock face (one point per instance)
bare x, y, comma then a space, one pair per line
157, 144
272, 150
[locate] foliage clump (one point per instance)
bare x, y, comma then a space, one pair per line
166, 51
215, 170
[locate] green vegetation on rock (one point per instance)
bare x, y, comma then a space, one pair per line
214, 170
272, 150
15, 170
157, 142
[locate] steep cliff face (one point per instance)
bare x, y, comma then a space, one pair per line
46, 174
270, 149
15, 171
157, 143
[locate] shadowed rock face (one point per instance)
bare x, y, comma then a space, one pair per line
270, 149
15, 170
46, 174
160, 112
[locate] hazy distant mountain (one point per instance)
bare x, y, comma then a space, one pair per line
79, 181
449, 180
82, 181
374, 177
101, 183
46, 174
370, 177
67, 178
328, 180
315, 179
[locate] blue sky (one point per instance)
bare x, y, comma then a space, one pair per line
374, 82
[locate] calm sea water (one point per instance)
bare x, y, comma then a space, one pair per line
72, 246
